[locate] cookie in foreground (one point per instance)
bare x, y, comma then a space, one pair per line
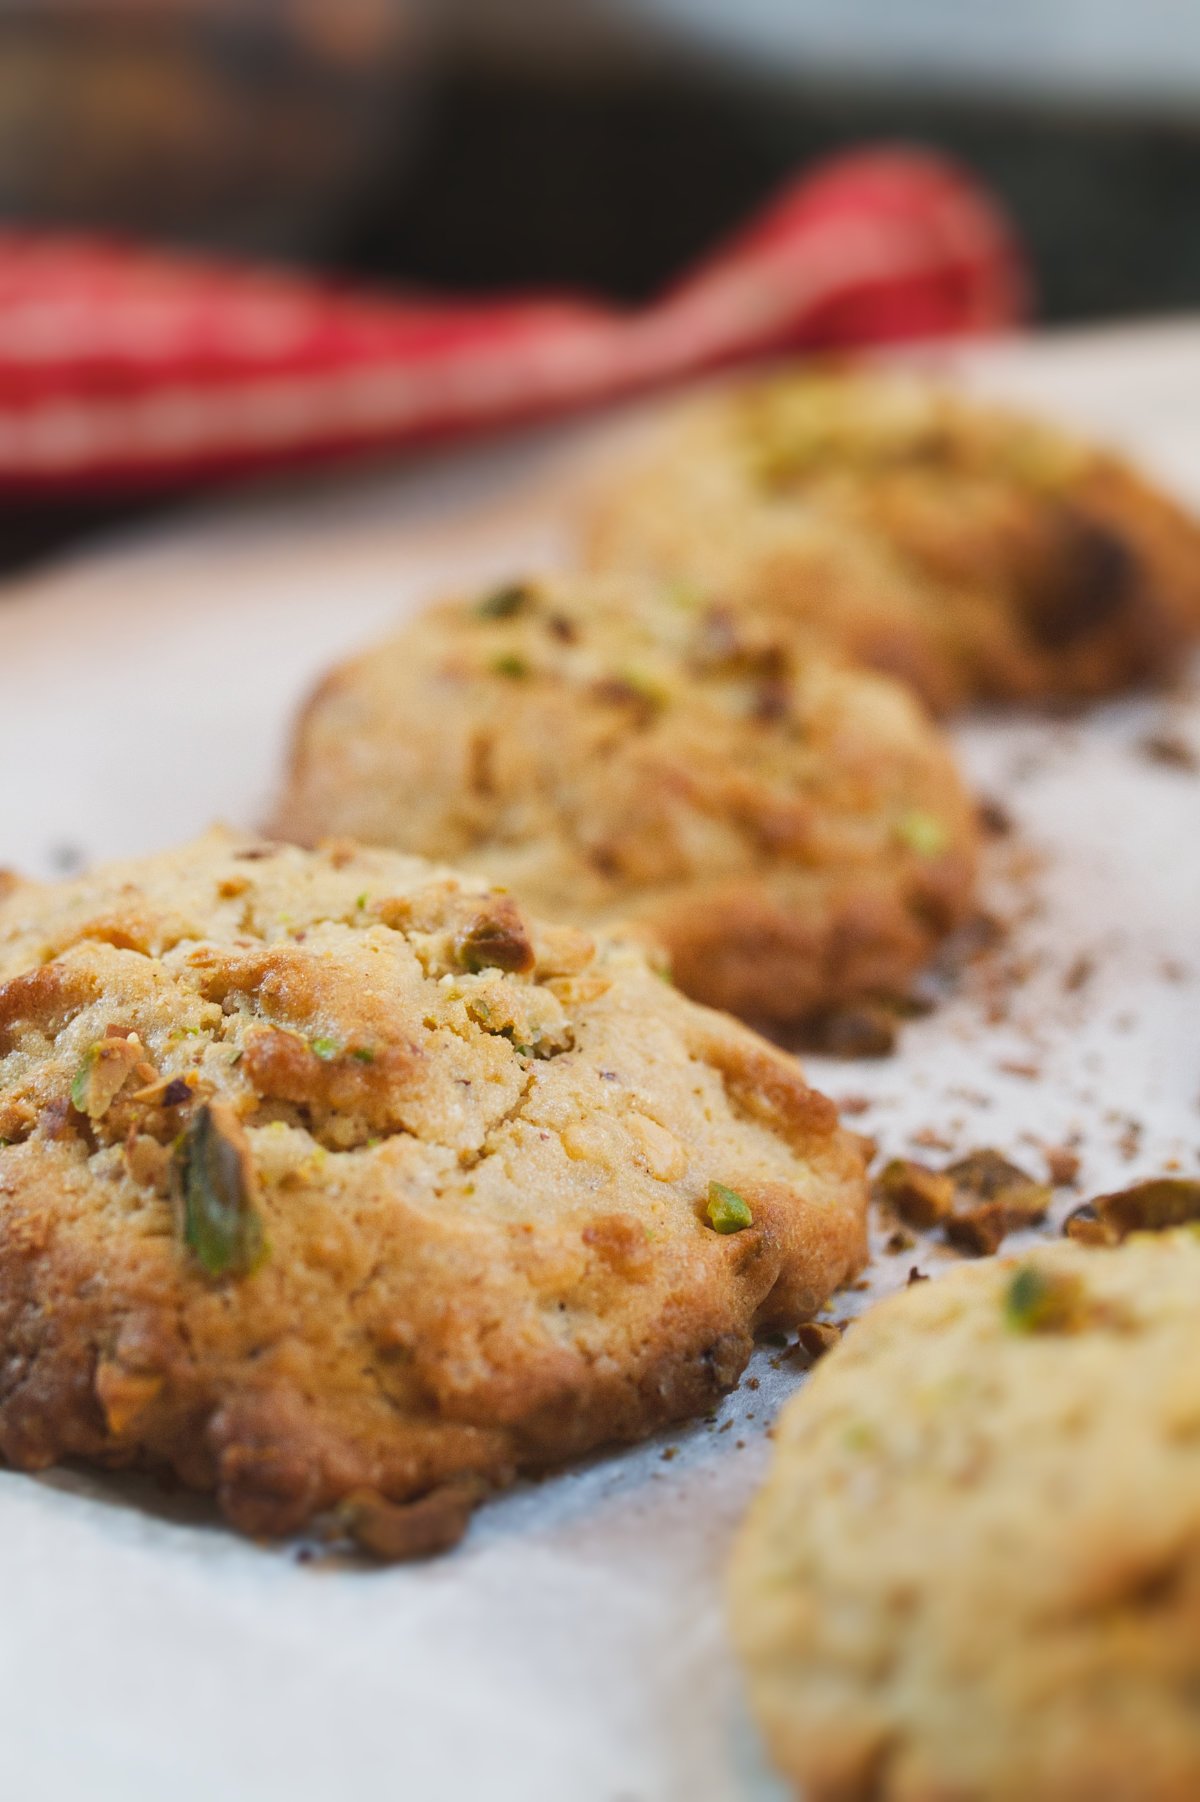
970, 550
338, 1186
974, 1570
793, 830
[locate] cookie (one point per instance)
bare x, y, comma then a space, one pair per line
793, 830
973, 552
973, 1574
340, 1187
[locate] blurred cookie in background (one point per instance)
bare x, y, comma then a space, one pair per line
973, 552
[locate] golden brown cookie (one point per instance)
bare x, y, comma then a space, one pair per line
793, 830
338, 1185
973, 1574
975, 553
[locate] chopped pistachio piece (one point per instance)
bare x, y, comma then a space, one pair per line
920, 1196
1086, 1225
922, 832
728, 1212
496, 939
325, 1049
646, 685
987, 1175
216, 1183
1153, 1206
859, 1436
992, 1198
503, 603
102, 1074
685, 594
1043, 1301
83, 1076
510, 665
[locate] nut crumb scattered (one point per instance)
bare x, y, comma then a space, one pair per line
1153, 1206
919, 1196
993, 1198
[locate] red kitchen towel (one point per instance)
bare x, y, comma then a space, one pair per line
126, 370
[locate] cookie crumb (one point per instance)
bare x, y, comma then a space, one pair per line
931, 1140
814, 1339
994, 817
1062, 1165
1079, 974
1170, 749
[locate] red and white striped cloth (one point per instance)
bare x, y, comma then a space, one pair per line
125, 370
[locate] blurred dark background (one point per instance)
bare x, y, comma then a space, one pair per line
596, 144
614, 180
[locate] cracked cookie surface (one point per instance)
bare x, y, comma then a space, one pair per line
974, 552
794, 831
973, 1574
335, 1182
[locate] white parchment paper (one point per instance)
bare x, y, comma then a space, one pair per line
572, 1650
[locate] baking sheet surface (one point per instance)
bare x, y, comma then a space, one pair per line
573, 1647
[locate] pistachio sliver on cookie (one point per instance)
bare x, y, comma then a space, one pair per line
727, 1211
216, 1183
